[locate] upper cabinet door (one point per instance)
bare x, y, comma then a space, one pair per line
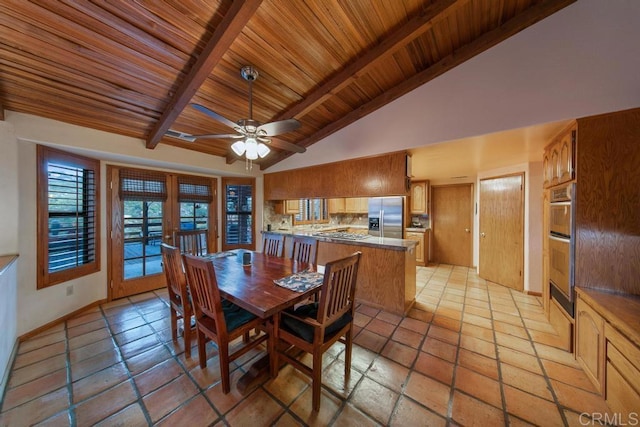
558, 162
566, 159
419, 191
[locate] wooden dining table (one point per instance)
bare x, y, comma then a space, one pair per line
252, 287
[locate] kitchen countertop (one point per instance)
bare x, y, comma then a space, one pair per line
417, 229
371, 241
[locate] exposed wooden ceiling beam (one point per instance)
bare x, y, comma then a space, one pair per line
231, 26
477, 46
402, 36
416, 26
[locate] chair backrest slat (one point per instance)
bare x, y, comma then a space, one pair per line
273, 244
172, 263
338, 288
192, 242
204, 287
304, 249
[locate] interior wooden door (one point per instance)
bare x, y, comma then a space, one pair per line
501, 251
451, 224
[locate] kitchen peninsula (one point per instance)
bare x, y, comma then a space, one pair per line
387, 272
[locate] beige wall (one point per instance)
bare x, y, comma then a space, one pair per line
20, 134
8, 245
8, 189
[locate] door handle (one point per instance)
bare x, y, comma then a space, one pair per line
482, 234
466, 230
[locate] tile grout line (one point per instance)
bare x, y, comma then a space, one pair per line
503, 395
540, 364
126, 366
183, 366
411, 368
71, 412
447, 417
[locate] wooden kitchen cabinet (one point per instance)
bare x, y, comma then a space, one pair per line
622, 372
287, 207
558, 162
419, 197
336, 205
356, 205
590, 343
608, 347
419, 238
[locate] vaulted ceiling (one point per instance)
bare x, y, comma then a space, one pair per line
136, 68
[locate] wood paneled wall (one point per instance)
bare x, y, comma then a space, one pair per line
608, 202
384, 175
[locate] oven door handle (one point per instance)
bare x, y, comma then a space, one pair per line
560, 239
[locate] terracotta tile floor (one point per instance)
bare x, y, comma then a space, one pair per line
469, 353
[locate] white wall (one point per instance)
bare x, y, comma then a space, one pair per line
580, 61
39, 307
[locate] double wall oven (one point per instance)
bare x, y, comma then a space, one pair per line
562, 245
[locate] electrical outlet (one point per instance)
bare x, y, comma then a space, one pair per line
69, 290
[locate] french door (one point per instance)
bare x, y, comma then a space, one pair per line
145, 208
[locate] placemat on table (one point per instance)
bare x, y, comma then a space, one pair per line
302, 281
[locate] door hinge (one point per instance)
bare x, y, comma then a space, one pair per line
111, 185
111, 284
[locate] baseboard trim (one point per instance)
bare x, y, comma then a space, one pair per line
533, 293
36, 331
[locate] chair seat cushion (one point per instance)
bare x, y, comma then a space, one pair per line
235, 316
306, 331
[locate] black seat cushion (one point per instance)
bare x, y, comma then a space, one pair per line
235, 316
306, 331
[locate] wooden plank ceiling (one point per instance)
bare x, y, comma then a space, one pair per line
134, 68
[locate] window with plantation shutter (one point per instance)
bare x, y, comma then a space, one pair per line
68, 216
194, 189
136, 184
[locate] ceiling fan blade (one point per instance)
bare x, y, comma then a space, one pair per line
284, 145
276, 128
219, 136
215, 115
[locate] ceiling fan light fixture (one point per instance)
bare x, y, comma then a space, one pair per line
251, 147
238, 147
263, 150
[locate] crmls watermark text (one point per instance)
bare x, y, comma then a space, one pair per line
615, 419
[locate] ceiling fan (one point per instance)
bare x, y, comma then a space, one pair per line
253, 137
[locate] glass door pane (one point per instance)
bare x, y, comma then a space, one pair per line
142, 237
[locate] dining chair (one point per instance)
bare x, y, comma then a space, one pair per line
273, 244
219, 320
179, 301
304, 249
315, 327
192, 242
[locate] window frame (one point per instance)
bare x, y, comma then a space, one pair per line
306, 213
227, 181
46, 155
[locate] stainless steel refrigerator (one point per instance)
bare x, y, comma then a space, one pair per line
386, 216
